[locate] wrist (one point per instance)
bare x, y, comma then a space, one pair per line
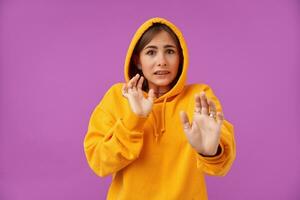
216, 153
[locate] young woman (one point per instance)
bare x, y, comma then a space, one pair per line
154, 134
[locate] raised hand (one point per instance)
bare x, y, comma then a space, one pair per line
140, 105
204, 131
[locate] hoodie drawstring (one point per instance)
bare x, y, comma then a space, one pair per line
162, 130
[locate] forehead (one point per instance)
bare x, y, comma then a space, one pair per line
162, 37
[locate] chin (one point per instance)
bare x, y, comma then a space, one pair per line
162, 83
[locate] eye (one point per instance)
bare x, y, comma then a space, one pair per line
150, 52
170, 51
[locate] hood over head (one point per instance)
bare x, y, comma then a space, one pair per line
178, 87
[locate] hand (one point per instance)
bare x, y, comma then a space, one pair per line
204, 132
140, 105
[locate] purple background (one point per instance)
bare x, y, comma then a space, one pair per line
57, 59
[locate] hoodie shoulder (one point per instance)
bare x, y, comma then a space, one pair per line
114, 93
198, 87
116, 87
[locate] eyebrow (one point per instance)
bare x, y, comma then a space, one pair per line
155, 47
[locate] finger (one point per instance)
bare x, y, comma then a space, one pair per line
135, 80
197, 104
140, 82
185, 120
212, 108
220, 118
151, 95
194, 126
204, 104
124, 87
131, 82
124, 90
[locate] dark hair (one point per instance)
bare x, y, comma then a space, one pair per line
147, 36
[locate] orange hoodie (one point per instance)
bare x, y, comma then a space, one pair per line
150, 157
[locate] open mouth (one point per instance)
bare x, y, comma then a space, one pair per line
161, 72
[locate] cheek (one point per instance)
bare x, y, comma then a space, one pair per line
146, 69
175, 64
146, 65
173, 58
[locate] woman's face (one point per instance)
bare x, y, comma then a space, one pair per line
159, 61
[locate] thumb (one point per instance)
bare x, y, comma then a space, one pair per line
185, 120
151, 95
220, 118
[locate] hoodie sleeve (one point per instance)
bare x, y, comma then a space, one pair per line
219, 165
112, 142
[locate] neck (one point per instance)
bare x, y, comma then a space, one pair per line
158, 94
159, 91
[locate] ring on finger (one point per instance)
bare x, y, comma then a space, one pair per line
212, 114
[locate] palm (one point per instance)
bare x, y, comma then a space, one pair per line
139, 104
133, 92
204, 133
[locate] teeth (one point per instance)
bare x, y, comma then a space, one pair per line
161, 73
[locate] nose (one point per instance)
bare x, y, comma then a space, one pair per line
161, 60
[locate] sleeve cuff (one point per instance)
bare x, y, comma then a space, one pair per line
219, 151
134, 122
210, 159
